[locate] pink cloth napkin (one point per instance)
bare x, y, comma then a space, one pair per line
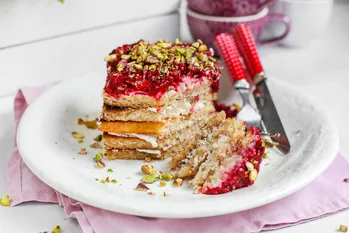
326, 195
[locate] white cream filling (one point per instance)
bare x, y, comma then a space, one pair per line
152, 109
199, 105
149, 151
151, 139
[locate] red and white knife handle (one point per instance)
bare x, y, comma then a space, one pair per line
229, 53
247, 48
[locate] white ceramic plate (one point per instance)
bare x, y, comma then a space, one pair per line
48, 148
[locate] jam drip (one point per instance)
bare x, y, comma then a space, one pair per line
153, 69
238, 176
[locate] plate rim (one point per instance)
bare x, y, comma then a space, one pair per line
331, 150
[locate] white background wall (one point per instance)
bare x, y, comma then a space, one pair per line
43, 40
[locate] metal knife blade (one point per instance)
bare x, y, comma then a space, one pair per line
270, 117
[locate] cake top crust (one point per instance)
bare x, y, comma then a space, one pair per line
153, 69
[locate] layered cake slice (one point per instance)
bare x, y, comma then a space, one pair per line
157, 99
228, 158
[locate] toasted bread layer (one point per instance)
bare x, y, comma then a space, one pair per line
178, 108
158, 128
144, 101
133, 141
129, 154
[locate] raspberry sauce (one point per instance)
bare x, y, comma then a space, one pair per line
139, 69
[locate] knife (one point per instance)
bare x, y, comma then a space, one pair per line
271, 121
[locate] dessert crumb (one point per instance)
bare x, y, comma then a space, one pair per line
57, 229
343, 228
147, 169
178, 182
163, 183
5, 200
82, 151
98, 138
142, 187
96, 145
78, 135
346, 180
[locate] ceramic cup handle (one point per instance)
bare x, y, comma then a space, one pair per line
277, 17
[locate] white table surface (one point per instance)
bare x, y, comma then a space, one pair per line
321, 70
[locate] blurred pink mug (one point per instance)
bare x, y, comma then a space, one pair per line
206, 27
232, 8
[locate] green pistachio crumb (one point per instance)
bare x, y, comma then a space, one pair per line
98, 156
149, 179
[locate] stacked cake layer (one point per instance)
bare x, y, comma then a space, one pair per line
157, 99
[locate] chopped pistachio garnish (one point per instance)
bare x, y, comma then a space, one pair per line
78, 135
268, 143
343, 228
146, 56
151, 193
80, 121
107, 179
149, 179
109, 58
5, 200
109, 170
167, 176
249, 166
82, 151
147, 169
103, 181
98, 138
142, 187
129, 178
265, 155
158, 174
96, 179
253, 174
80, 141
98, 157
165, 194
163, 183
89, 124
237, 106
100, 164
57, 229
196, 44
114, 181
96, 145
202, 48
177, 182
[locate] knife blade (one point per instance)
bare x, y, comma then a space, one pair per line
271, 121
